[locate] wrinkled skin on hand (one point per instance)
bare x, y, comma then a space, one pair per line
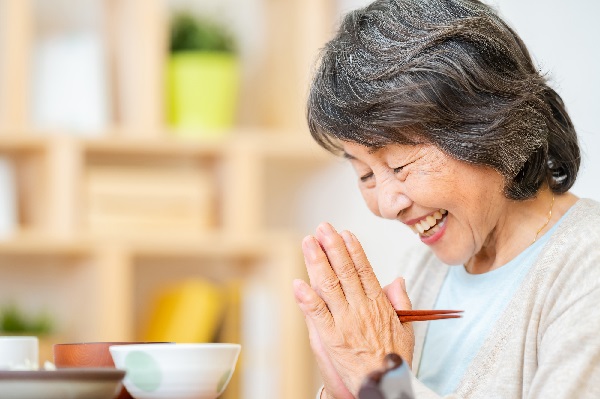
351, 320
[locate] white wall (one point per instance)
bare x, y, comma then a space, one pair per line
563, 38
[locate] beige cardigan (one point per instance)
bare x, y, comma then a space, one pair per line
547, 343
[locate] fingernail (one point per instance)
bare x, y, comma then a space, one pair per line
299, 290
326, 229
347, 236
310, 246
299, 285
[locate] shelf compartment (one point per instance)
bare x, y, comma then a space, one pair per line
126, 199
26, 160
162, 187
55, 282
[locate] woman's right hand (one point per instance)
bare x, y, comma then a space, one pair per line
396, 294
331, 379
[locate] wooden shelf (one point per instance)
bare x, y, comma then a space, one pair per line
27, 245
265, 143
209, 245
155, 147
53, 171
21, 143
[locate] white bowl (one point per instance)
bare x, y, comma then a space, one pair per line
176, 371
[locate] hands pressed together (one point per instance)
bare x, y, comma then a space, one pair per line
351, 320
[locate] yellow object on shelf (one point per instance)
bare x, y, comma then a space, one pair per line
190, 311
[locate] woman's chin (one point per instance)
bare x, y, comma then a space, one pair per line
450, 258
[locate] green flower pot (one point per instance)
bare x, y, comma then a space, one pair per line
202, 92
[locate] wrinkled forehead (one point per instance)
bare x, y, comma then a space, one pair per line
354, 151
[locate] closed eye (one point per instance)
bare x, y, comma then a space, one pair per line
364, 178
400, 168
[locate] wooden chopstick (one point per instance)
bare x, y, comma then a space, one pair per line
407, 319
422, 312
425, 315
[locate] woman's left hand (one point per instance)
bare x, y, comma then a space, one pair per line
346, 307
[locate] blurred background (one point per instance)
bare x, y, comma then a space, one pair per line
156, 174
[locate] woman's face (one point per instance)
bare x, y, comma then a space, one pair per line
453, 206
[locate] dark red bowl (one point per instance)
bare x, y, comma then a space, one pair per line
89, 355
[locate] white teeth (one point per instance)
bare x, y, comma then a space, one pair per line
431, 231
429, 225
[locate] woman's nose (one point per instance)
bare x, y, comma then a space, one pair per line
392, 200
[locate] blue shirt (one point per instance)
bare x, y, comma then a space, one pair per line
450, 345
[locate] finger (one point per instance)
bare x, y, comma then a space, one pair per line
370, 284
314, 308
331, 379
335, 248
322, 277
323, 361
397, 295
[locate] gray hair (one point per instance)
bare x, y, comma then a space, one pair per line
449, 73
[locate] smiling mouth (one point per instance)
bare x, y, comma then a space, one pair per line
431, 224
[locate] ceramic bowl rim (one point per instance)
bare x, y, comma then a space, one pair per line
111, 343
173, 346
19, 338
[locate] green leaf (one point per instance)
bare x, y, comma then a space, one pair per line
12, 320
191, 33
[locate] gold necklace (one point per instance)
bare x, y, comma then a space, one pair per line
547, 221
536, 234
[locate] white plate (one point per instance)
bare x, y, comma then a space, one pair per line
61, 384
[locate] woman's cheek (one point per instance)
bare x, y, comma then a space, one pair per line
370, 197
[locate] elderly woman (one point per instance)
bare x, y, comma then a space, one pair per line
452, 131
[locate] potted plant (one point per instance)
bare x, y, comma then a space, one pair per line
202, 76
14, 321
